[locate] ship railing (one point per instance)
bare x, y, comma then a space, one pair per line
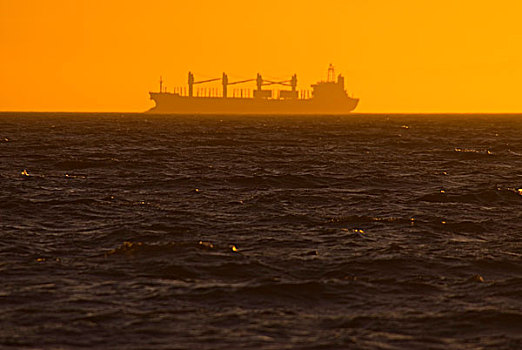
214, 92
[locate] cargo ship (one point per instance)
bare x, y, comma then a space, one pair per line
326, 97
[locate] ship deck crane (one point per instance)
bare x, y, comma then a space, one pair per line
226, 83
224, 79
192, 82
259, 79
292, 94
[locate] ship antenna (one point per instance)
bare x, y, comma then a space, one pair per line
331, 73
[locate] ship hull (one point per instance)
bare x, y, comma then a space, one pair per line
168, 103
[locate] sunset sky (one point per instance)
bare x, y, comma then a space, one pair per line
397, 56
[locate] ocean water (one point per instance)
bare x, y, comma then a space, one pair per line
223, 232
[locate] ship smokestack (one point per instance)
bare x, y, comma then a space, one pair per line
340, 80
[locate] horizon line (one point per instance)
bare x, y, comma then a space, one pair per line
239, 114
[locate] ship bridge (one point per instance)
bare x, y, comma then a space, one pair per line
330, 89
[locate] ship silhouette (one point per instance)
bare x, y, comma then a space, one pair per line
326, 97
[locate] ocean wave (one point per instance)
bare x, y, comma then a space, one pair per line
498, 196
261, 232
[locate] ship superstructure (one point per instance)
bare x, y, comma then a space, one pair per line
326, 97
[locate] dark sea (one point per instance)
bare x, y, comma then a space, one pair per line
225, 232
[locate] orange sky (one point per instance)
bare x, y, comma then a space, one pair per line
397, 56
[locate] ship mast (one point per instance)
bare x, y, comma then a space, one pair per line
331, 74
